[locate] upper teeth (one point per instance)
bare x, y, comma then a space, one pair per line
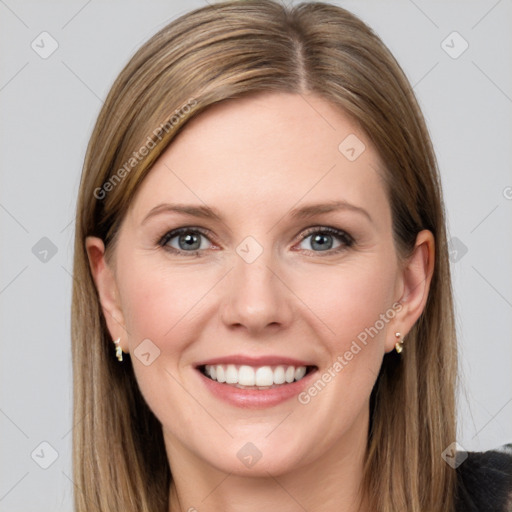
254, 376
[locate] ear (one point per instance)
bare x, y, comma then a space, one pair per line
416, 275
108, 293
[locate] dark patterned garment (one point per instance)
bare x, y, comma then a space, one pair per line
484, 481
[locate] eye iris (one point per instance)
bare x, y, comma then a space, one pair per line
192, 241
189, 241
320, 239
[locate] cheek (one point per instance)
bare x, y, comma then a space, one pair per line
352, 300
355, 303
355, 308
160, 303
159, 299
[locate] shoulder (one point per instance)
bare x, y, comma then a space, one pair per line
484, 481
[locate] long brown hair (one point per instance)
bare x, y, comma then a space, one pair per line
228, 50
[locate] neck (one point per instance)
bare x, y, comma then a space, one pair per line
332, 483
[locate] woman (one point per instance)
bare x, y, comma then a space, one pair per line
262, 309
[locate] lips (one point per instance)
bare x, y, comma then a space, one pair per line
255, 381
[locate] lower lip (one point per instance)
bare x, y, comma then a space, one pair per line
254, 398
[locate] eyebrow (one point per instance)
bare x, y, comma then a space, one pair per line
303, 212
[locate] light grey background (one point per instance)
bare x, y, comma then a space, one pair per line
48, 107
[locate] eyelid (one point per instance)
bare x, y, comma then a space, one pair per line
341, 233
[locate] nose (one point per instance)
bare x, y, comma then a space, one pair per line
256, 297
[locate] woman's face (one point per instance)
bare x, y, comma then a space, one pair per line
284, 263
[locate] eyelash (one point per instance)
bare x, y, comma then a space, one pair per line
346, 240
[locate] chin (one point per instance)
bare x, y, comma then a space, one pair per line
257, 456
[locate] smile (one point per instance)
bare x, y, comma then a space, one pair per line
255, 377
255, 382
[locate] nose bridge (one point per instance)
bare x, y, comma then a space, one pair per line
255, 296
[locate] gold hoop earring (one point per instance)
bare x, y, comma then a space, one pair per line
399, 344
119, 350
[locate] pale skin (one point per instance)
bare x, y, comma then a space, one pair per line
254, 160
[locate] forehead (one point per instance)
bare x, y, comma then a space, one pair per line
269, 151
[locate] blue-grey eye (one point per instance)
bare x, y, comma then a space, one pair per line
326, 239
186, 240
189, 241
